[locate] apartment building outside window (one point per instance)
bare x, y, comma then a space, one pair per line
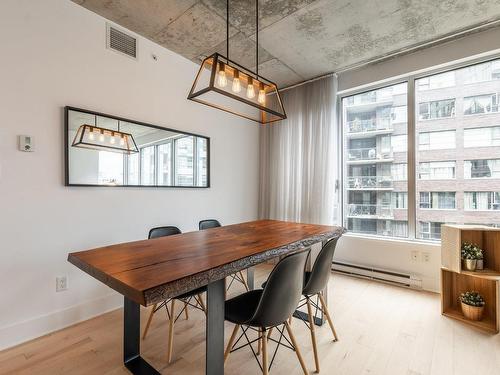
455, 148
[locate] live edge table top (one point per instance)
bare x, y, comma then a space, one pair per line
151, 271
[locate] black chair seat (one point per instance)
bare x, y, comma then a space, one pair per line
241, 309
192, 293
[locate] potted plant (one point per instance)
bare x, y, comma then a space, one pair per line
472, 305
472, 256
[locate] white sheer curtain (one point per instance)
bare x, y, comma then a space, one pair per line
299, 157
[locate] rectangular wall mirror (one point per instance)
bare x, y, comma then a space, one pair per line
104, 150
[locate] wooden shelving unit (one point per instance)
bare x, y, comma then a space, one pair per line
454, 280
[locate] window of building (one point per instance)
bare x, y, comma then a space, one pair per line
437, 200
479, 104
483, 72
482, 200
437, 109
438, 81
437, 170
436, 140
430, 230
399, 171
400, 200
482, 137
165, 164
482, 168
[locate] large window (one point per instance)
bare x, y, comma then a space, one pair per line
455, 170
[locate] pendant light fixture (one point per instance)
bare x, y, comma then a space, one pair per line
228, 86
97, 138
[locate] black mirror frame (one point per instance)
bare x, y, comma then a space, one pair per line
67, 145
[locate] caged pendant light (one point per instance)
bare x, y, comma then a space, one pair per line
228, 86
97, 138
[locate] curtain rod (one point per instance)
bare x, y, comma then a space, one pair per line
446, 38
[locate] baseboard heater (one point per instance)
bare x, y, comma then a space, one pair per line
395, 278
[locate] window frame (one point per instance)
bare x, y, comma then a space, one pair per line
412, 113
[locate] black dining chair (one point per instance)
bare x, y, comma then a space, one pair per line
316, 281
212, 223
271, 307
193, 298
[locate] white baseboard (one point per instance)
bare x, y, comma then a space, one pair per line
30, 329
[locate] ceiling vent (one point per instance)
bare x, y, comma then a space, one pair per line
121, 42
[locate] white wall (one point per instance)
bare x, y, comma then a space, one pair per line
393, 254
53, 54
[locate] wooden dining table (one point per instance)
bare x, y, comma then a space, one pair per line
151, 271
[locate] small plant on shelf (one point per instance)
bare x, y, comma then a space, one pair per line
472, 305
472, 256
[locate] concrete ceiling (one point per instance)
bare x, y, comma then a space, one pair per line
299, 39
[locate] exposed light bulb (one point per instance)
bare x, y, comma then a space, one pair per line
112, 139
262, 94
250, 89
101, 137
122, 140
236, 81
91, 134
222, 80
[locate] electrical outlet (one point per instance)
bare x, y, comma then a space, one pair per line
426, 257
61, 283
415, 256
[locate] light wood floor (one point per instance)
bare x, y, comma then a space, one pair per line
382, 330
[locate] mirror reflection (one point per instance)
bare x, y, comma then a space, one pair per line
105, 150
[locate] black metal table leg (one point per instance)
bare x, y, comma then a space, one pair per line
318, 320
250, 278
215, 328
131, 341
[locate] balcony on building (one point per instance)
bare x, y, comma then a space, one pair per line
370, 183
371, 127
370, 211
369, 155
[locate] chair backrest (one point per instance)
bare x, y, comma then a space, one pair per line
321, 269
282, 292
163, 231
209, 223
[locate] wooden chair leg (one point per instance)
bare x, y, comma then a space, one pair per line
231, 342
171, 331
244, 281
297, 351
148, 323
312, 328
202, 304
328, 317
269, 333
186, 313
259, 342
265, 365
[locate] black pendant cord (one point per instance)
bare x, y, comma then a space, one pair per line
227, 30
257, 38
95, 121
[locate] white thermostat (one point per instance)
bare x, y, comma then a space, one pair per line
26, 143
